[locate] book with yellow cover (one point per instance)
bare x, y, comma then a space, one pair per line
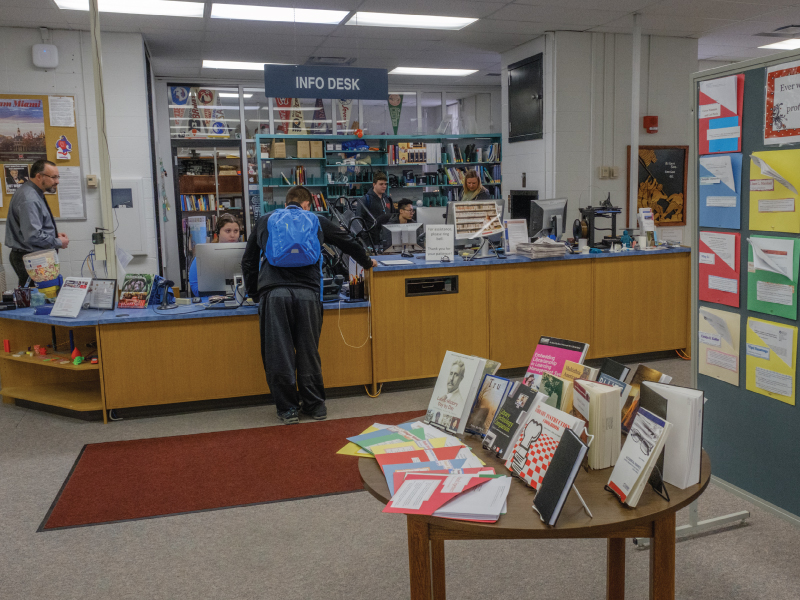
573, 371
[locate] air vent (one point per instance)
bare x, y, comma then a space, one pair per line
330, 61
781, 32
493, 74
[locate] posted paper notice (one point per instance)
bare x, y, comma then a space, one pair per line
70, 193
720, 359
62, 111
723, 284
776, 293
777, 383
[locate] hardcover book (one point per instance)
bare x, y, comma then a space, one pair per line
642, 373
538, 440
550, 356
558, 392
502, 433
615, 369
560, 476
454, 392
135, 291
490, 395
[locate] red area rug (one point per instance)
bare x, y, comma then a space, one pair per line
120, 481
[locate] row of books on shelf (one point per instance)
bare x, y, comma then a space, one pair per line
199, 202
563, 415
436, 152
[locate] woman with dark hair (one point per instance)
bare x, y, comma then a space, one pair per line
226, 231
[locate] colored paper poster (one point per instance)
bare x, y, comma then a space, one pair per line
719, 113
720, 179
22, 130
719, 267
395, 106
283, 105
772, 264
782, 110
771, 359
298, 124
774, 185
718, 344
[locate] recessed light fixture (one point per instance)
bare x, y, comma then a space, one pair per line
233, 64
371, 19
162, 8
423, 71
225, 95
784, 45
274, 13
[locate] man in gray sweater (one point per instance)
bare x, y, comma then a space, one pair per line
30, 225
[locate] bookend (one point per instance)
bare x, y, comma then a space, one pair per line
656, 482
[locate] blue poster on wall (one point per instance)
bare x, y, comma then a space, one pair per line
720, 179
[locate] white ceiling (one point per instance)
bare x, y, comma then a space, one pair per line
726, 31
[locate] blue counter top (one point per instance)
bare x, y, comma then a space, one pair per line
92, 317
512, 259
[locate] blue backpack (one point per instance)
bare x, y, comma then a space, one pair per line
293, 238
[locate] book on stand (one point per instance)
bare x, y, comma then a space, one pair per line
573, 371
615, 369
597, 404
550, 356
558, 391
560, 477
510, 415
642, 373
491, 393
638, 457
455, 389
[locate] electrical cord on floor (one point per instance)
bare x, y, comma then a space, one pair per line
380, 389
682, 355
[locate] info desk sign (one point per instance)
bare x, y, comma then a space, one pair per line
296, 81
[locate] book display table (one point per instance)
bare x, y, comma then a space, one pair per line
653, 518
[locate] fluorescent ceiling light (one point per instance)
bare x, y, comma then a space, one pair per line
784, 45
224, 95
421, 71
371, 19
163, 8
234, 64
273, 13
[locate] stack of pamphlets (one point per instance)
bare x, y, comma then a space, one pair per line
411, 451
542, 248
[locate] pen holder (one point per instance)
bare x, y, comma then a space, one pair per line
22, 297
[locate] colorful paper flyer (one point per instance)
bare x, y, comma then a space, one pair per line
720, 179
719, 114
718, 344
772, 275
719, 267
771, 359
774, 196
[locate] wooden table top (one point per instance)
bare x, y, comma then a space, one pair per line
521, 520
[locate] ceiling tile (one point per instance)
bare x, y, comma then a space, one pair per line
677, 25
497, 26
265, 28
712, 9
616, 5
375, 34
577, 17
323, 4
450, 8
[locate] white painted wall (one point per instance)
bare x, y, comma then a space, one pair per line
126, 117
587, 113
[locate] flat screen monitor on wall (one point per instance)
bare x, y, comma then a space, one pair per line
525, 100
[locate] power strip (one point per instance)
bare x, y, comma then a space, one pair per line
183, 301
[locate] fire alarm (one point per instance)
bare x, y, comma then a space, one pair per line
45, 56
651, 124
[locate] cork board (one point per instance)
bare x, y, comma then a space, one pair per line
24, 147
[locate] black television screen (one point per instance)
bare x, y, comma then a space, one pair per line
525, 100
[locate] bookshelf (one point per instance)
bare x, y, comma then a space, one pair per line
209, 183
439, 161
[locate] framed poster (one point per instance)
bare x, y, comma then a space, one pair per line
662, 184
782, 124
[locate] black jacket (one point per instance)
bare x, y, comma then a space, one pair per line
379, 208
257, 281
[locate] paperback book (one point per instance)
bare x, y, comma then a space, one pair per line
558, 392
550, 356
573, 371
490, 394
135, 291
597, 404
510, 415
642, 373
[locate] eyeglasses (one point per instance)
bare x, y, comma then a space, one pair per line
56, 178
408, 208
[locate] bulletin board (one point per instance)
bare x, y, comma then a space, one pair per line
749, 433
26, 135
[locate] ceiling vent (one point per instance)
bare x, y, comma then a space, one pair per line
329, 61
493, 74
781, 32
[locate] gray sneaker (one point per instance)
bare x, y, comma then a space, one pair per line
290, 417
318, 412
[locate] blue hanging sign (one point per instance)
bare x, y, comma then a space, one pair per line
296, 81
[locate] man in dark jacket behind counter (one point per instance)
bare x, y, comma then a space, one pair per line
290, 315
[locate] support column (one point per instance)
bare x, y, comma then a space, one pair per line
635, 84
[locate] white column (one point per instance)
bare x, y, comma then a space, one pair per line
106, 210
635, 76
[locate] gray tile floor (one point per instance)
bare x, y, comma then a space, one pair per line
330, 547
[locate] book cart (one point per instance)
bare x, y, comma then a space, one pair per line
751, 415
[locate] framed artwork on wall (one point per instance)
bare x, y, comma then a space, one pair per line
661, 184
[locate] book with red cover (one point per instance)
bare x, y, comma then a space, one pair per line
423, 494
550, 355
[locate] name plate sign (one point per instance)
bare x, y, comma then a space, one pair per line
299, 81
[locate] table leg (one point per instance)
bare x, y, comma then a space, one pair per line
419, 559
615, 577
662, 559
438, 576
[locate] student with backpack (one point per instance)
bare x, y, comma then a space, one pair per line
282, 271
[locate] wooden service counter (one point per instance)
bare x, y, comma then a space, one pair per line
624, 303
620, 303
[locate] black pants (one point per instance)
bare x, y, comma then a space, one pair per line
291, 323
19, 266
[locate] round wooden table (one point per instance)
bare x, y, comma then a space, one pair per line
653, 518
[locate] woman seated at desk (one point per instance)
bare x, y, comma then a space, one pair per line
473, 190
227, 232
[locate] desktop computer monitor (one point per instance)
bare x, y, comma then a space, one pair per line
430, 215
548, 217
465, 239
216, 266
403, 236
